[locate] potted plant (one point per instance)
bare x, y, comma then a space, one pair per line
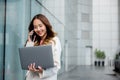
117, 62
100, 55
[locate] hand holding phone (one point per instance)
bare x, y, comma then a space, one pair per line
30, 36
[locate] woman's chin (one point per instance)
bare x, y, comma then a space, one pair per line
41, 35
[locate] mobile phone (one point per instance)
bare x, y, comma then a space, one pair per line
32, 36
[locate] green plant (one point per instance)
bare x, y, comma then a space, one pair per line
117, 56
100, 54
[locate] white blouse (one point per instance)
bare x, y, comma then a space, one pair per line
51, 73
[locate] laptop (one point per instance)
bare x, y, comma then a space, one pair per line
40, 55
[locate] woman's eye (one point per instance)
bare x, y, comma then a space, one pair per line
40, 25
35, 27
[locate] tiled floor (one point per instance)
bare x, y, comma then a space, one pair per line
90, 73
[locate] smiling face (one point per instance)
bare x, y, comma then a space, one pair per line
39, 28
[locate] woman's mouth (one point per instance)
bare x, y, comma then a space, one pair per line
39, 33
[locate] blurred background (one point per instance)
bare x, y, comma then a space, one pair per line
82, 26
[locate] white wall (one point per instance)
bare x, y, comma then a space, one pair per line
70, 33
84, 31
105, 27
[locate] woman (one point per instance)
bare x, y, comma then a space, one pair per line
41, 33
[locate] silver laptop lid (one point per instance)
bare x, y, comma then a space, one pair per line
40, 55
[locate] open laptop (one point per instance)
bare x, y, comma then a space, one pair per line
40, 55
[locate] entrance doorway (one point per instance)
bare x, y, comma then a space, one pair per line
88, 55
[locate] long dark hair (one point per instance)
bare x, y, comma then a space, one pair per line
45, 21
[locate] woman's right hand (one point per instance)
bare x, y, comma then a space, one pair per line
30, 35
32, 68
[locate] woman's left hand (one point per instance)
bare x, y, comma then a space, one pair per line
32, 68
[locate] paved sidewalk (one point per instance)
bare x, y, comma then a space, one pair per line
90, 73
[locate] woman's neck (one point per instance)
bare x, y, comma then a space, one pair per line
42, 39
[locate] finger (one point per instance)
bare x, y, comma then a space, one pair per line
30, 33
30, 67
29, 39
40, 69
34, 67
34, 38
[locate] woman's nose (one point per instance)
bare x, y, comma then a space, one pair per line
38, 28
